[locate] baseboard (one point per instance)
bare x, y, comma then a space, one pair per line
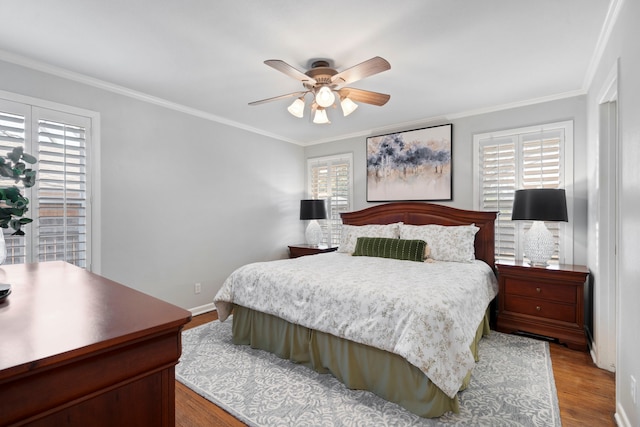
593, 350
202, 309
594, 357
621, 417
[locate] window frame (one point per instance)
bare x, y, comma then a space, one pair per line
329, 224
35, 109
565, 255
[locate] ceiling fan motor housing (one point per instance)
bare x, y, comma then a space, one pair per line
321, 73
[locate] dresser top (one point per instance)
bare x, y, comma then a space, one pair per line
58, 311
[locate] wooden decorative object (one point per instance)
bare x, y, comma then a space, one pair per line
543, 301
296, 251
417, 213
77, 349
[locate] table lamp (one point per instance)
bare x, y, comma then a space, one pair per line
313, 210
539, 205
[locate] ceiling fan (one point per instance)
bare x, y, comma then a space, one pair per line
324, 82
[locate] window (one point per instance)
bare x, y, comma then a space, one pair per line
59, 202
533, 157
331, 178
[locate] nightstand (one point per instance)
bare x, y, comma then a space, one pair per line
296, 251
547, 301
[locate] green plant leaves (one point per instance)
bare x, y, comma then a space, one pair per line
29, 158
13, 205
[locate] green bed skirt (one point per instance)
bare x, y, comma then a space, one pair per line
358, 366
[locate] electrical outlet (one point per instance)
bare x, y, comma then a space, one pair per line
197, 288
633, 389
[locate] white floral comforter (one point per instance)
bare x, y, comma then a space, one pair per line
427, 313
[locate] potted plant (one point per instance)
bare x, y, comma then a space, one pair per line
13, 205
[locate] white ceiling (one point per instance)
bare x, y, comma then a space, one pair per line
448, 57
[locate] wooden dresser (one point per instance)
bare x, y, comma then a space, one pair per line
77, 349
543, 301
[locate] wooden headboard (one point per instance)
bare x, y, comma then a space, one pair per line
417, 213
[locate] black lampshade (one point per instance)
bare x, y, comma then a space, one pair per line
313, 209
540, 204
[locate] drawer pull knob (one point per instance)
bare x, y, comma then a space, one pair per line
538, 290
538, 308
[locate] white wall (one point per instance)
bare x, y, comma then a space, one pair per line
463, 130
622, 49
183, 199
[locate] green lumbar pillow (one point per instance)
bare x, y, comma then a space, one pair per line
412, 250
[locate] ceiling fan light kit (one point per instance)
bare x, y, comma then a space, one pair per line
325, 97
297, 107
325, 82
348, 106
320, 117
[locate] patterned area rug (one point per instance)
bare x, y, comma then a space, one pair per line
512, 385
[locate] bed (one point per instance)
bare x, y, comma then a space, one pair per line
406, 331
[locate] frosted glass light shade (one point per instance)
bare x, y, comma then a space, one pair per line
297, 108
348, 106
325, 97
538, 244
321, 116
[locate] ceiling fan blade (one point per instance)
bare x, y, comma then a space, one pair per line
368, 97
287, 69
367, 68
275, 98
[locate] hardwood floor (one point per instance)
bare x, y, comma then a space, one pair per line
586, 394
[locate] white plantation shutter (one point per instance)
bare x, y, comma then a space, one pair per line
13, 133
330, 178
521, 159
541, 168
62, 192
497, 188
58, 203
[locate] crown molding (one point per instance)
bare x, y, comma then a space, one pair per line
603, 39
518, 104
140, 96
448, 117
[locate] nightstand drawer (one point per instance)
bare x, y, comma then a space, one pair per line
540, 308
546, 291
546, 301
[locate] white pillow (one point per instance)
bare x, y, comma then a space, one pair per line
350, 234
447, 243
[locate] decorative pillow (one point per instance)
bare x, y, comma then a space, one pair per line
350, 234
412, 250
447, 243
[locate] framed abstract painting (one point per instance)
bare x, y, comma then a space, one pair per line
410, 165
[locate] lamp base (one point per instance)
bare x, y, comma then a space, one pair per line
539, 244
313, 234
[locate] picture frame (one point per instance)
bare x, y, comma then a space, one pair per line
413, 165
